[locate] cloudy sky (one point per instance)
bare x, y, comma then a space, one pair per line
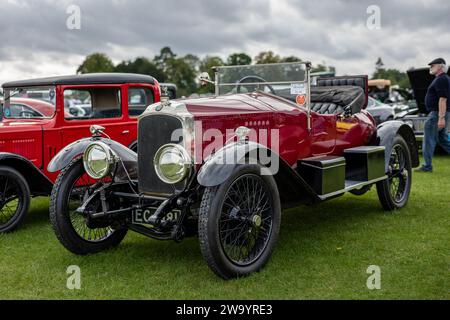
37, 42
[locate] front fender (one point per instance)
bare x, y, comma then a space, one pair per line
385, 137
67, 154
220, 166
293, 189
75, 149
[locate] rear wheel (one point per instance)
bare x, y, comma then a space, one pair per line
239, 222
14, 198
393, 193
76, 231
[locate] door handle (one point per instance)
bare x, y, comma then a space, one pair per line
125, 131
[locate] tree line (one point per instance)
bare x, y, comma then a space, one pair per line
182, 71
397, 77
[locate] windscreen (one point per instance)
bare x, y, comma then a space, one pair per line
36, 103
264, 77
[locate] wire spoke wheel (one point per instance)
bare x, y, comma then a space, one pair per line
77, 231
246, 220
393, 192
14, 198
79, 193
9, 201
399, 175
239, 222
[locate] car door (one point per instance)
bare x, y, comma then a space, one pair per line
99, 104
323, 133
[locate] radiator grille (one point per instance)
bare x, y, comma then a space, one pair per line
154, 132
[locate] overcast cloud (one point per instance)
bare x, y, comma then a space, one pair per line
36, 41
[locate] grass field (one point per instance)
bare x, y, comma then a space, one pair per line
323, 253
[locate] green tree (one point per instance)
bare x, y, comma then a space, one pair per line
209, 62
193, 61
267, 57
96, 62
379, 64
206, 65
238, 59
291, 59
397, 77
141, 65
165, 55
181, 73
322, 67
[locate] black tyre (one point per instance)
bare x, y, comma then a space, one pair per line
239, 223
14, 199
393, 193
72, 229
133, 147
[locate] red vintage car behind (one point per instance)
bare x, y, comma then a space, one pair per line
41, 116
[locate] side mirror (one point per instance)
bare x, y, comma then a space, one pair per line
205, 79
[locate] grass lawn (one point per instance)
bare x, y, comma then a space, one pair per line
323, 253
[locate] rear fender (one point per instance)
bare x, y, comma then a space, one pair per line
385, 137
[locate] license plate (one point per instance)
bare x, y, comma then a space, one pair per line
142, 216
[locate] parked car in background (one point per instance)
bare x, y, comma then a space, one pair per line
40, 116
222, 168
420, 80
380, 111
380, 89
28, 108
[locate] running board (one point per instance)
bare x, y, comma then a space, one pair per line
351, 185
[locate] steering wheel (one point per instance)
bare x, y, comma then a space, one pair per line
259, 79
77, 111
27, 114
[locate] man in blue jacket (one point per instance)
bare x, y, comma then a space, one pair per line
437, 102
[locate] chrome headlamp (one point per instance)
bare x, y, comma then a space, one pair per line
99, 160
172, 163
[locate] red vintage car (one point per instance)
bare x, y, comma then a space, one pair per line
223, 167
41, 116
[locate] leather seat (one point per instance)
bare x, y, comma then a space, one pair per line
326, 108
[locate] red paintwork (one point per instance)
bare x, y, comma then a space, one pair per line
330, 134
39, 140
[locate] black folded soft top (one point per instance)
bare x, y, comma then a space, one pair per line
343, 96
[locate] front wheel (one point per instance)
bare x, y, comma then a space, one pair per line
393, 193
239, 223
75, 230
14, 198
